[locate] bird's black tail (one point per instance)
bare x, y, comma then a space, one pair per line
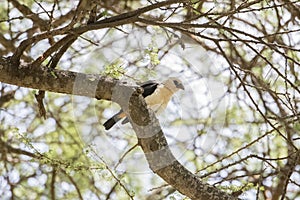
113, 120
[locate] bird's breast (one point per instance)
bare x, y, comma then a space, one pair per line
158, 101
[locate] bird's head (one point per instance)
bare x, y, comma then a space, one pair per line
173, 84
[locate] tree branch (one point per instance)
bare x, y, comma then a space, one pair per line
59, 81
125, 18
145, 124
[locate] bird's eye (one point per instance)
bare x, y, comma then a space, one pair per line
175, 82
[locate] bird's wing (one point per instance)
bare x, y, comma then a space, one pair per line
149, 87
159, 99
157, 95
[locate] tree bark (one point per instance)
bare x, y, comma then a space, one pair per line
59, 81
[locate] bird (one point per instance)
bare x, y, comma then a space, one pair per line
156, 95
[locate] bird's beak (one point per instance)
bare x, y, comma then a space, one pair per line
180, 86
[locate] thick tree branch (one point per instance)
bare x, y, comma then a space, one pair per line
147, 128
59, 81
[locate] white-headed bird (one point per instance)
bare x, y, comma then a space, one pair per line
157, 95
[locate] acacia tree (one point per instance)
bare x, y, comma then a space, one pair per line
233, 133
